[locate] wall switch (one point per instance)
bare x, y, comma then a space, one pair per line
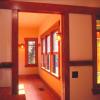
75, 74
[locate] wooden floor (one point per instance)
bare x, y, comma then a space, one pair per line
35, 89
5, 94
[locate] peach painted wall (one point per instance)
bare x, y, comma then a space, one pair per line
90, 3
53, 82
5, 46
5, 35
26, 32
80, 29
5, 77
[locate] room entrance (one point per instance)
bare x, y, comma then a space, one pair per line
39, 51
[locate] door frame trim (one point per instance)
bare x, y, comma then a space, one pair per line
64, 10
37, 9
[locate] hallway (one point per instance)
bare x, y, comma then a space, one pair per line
35, 89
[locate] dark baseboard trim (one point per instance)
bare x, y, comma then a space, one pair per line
81, 63
29, 75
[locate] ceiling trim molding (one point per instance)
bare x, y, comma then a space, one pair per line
31, 6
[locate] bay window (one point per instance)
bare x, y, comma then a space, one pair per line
50, 51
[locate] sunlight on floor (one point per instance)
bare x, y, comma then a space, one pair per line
21, 89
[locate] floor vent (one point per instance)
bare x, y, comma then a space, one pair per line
41, 89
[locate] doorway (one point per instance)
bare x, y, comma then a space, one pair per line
44, 8
41, 27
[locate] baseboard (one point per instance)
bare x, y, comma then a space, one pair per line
51, 89
28, 75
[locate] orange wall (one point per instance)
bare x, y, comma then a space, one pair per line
5, 46
26, 32
53, 82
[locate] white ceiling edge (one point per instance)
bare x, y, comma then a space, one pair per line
88, 3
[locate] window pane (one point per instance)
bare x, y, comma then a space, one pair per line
55, 63
43, 60
31, 52
43, 45
31, 42
55, 43
48, 61
98, 24
48, 44
98, 50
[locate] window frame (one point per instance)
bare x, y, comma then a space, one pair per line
26, 52
48, 53
55, 27
55, 52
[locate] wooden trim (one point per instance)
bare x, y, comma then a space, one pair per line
51, 29
51, 8
81, 63
15, 52
27, 76
65, 57
94, 50
6, 65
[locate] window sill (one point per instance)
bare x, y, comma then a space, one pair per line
51, 73
46, 69
55, 74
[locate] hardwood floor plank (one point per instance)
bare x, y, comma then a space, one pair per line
35, 89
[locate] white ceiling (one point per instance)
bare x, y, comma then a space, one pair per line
32, 19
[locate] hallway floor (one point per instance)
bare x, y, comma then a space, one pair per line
35, 89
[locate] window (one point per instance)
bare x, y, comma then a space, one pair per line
96, 68
55, 53
31, 51
43, 53
98, 49
46, 52
50, 51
